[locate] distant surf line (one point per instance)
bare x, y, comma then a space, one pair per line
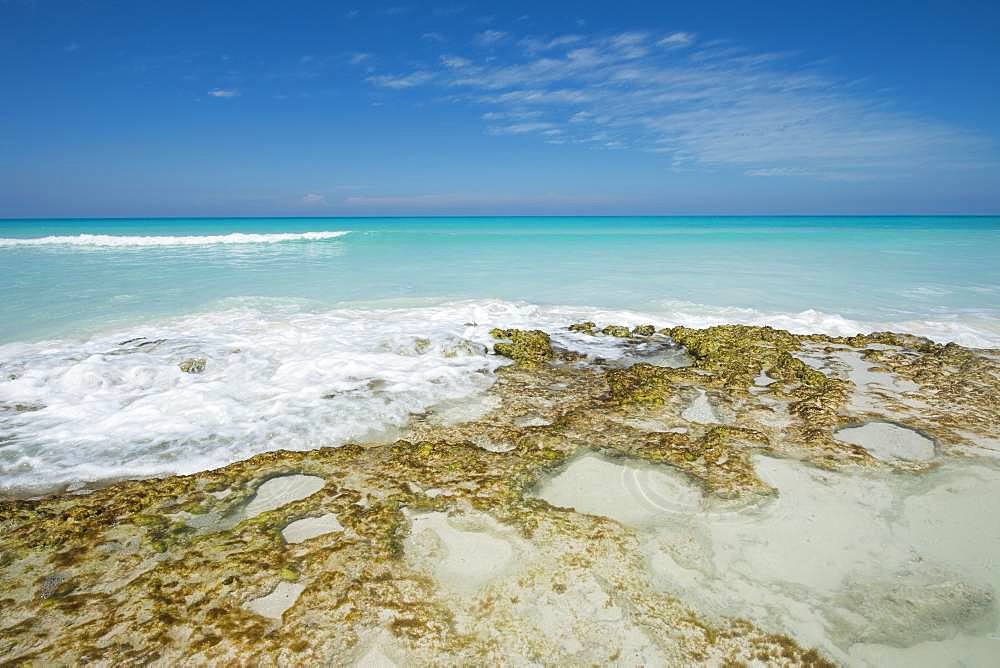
121, 241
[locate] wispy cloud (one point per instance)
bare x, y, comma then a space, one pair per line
490, 37
433, 37
677, 40
450, 10
524, 128
314, 199
534, 45
401, 82
358, 58
224, 92
71, 47
700, 103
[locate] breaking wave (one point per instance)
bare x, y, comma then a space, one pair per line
117, 241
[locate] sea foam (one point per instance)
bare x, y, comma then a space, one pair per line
284, 375
119, 241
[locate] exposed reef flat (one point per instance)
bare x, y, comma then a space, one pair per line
716, 510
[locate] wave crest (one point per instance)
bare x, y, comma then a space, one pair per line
116, 241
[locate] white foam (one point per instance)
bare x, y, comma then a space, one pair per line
279, 375
278, 378
119, 241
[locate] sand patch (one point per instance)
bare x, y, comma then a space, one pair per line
311, 527
464, 553
274, 605
701, 410
888, 442
834, 560
628, 492
280, 491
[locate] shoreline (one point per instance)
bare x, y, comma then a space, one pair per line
459, 540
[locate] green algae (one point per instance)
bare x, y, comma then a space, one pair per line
583, 327
193, 365
640, 383
644, 330
616, 330
526, 347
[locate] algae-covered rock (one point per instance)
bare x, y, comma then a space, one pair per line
584, 327
738, 353
616, 330
169, 570
526, 347
640, 383
193, 365
644, 330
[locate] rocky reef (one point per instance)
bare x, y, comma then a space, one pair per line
440, 548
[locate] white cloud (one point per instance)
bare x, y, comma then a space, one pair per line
358, 58
401, 82
455, 62
677, 40
433, 37
490, 37
779, 171
514, 115
534, 45
718, 105
523, 128
313, 199
224, 92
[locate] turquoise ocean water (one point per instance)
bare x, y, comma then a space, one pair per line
871, 270
287, 309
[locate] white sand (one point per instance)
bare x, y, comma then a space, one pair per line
464, 554
869, 384
763, 380
864, 567
531, 421
280, 491
278, 601
888, 441
311, 527
701, 410
628, 492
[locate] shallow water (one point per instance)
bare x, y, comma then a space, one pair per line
320, 331
935, 276
874, 570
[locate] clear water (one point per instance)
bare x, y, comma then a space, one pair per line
939, 276
313, 337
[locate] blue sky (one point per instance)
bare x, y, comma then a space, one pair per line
139, 108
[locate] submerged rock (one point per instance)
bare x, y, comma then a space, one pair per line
193, 365
526, 347
584, 327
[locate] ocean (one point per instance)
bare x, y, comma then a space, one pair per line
317, 331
